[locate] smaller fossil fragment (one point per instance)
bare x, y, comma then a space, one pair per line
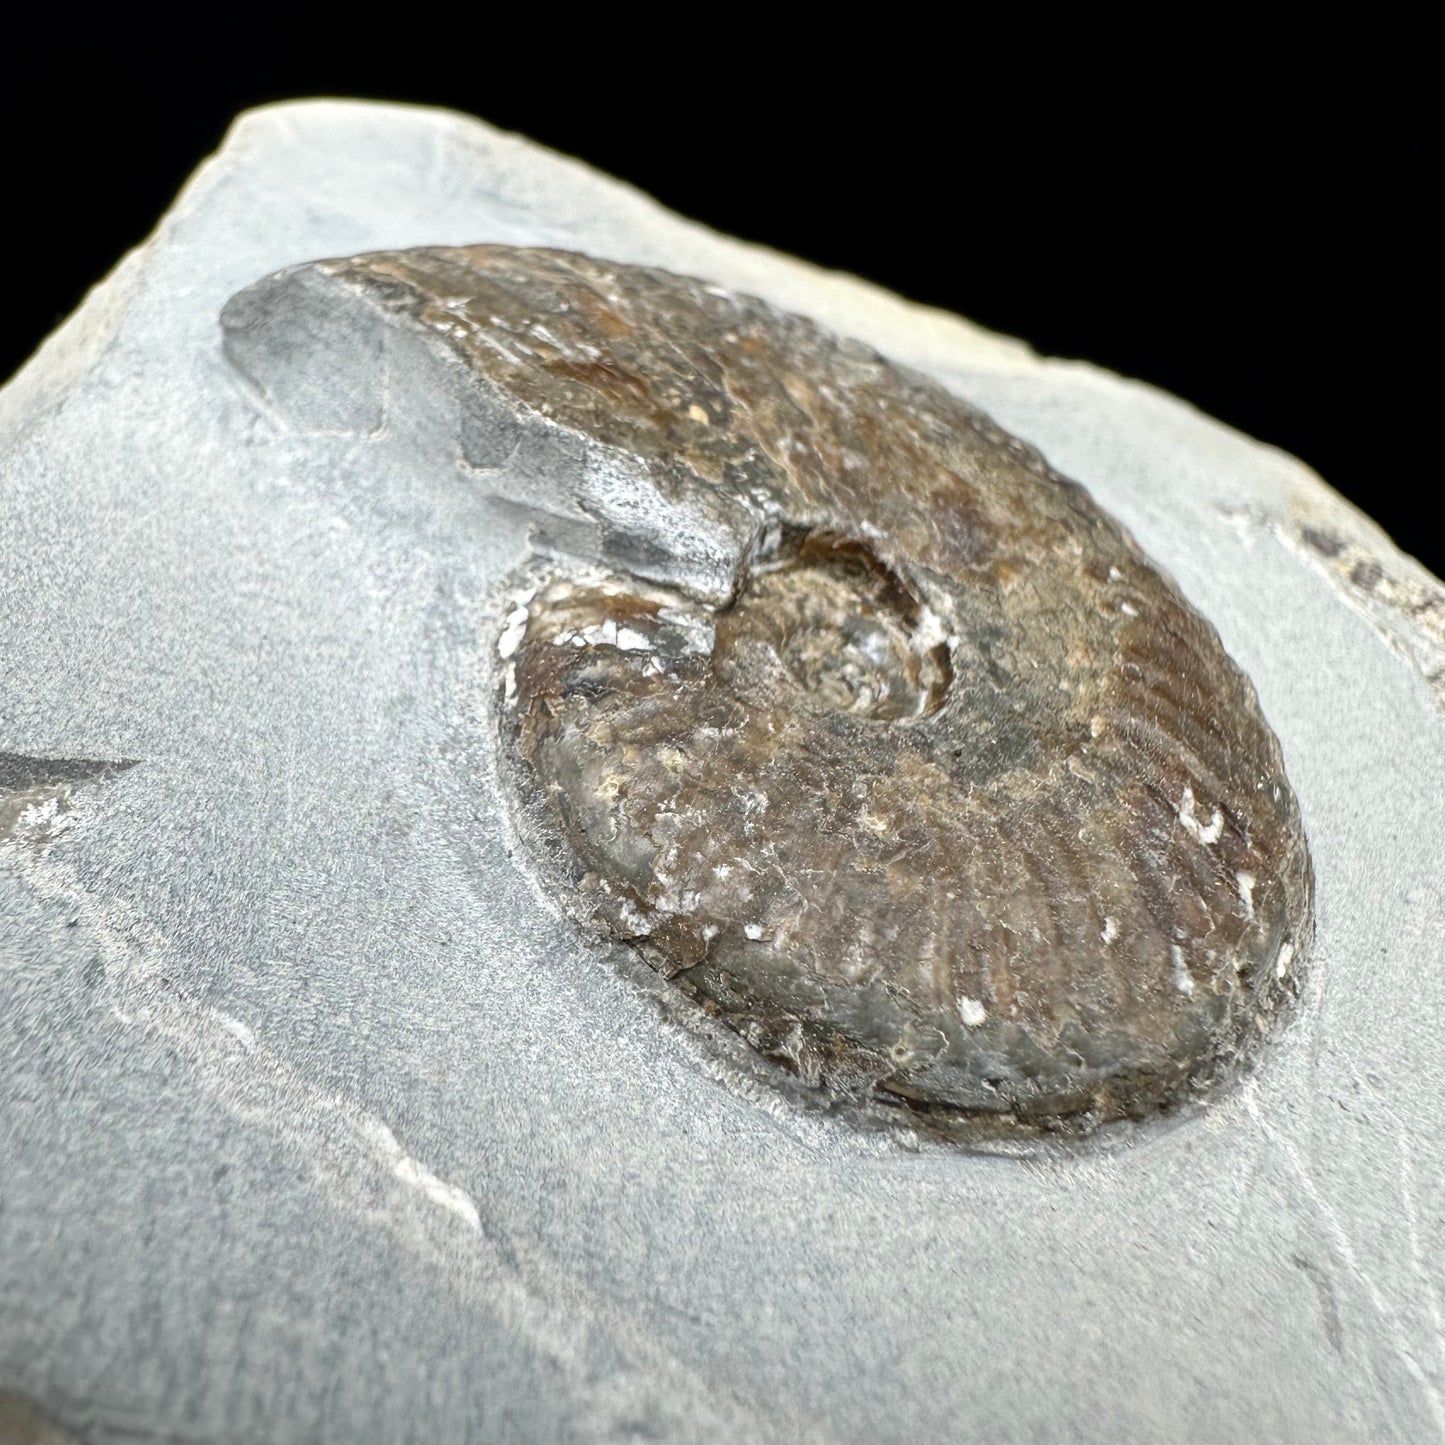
870, 732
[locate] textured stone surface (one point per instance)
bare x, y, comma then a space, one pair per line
907, 765
317, 1120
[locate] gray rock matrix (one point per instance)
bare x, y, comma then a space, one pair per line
319, 1122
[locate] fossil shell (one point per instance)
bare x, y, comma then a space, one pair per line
865, 728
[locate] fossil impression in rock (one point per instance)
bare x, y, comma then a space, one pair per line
863, 727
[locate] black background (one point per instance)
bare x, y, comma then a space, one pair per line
1246, 228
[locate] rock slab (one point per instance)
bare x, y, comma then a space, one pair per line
317, 1120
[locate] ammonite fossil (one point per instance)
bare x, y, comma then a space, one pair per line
862, 726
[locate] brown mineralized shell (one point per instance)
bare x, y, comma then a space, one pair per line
885, 744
